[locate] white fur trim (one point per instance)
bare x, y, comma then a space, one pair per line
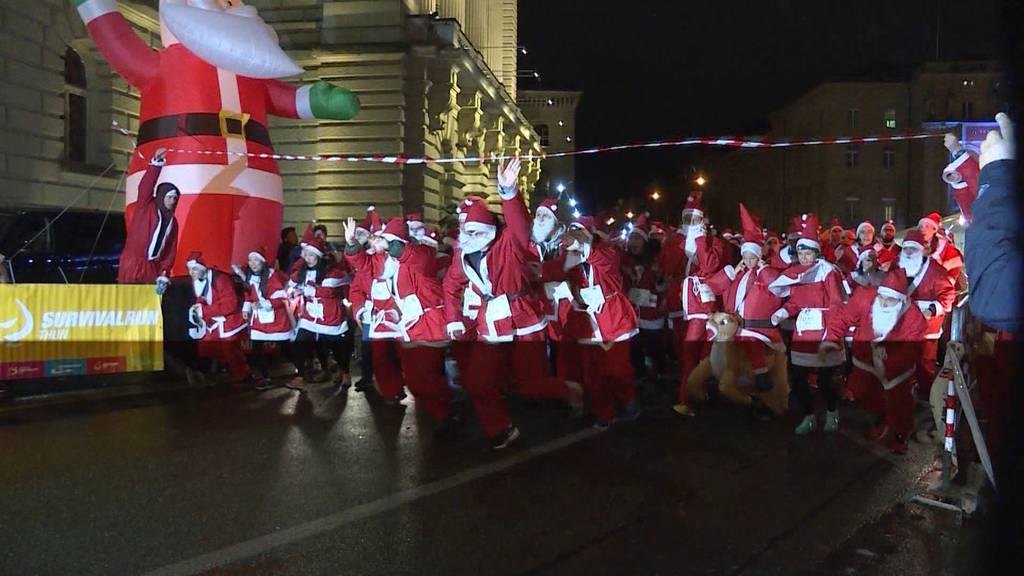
195, 264
302, 105
953, 167
312, 249
890, 293
391, 238
808, 243
93, 9
752, 247
312, 326
863, 225
480, 227
255, 254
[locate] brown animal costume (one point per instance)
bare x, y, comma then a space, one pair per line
728, 364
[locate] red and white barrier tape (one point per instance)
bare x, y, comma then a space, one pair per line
723, 141
950, 415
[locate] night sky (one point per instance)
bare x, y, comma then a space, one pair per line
655, 69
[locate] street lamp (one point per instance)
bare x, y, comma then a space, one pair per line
572, 202
701, 181
655, 195
560, 187
629, 214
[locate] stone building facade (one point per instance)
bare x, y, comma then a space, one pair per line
436, 78
877, 181
553, 115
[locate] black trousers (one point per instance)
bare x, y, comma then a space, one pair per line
310, 344
802, 390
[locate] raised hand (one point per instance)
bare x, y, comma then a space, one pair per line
350, 231
951, 142
159, 157
999, 144
508, 174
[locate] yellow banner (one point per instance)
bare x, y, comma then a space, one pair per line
76, 329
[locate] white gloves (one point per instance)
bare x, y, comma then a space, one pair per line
162, 282
999, 144
159, 157
455, 330
779, 316
308, 291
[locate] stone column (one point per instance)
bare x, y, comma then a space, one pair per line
478, 24
453, 9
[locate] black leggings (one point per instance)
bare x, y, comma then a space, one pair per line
261, 359
309, 344
802, 390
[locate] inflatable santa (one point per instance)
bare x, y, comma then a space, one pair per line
205, 97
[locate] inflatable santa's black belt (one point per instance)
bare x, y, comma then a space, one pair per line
758, 324
204, 124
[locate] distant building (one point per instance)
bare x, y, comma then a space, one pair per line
436, 78
553, 115
876, 182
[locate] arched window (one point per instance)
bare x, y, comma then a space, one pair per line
75, 108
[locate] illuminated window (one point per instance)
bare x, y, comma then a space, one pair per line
888, 157
967, 110
851, 118
75, 121
890, 118
888, 209
852, 156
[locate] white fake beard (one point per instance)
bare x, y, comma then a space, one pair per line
236, 39
390, 268
417, 231
691, 239
541, 230
912, 266
474, 244
883, 319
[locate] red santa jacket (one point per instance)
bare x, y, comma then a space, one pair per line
931, 290
746, 293
783, 259
219, 308
509, 307
685, 297
409, 306
151, 237
551, 286
597, 282
323, 309
266, 303
892, 359
645, 292
948, 256
814, 293
366, 267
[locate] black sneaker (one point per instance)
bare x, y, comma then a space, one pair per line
363, 384
450, 427
505, 437
759, 410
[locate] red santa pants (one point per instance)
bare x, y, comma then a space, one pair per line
568, 360
608, 377
526, 361
423, 367
387, 368
229, 352
894, 406
926, 369
754, 349
690, 339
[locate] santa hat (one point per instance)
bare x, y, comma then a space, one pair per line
835, 224
889, 224
600, 225
195, 261
865, 225
549, 204
397, 229
884, 255
727, 233
414, 221
658, 227
795, 224
772, 236
430, 237
316, 246
371, 222
693, 204
260, 253
894, 284
753, 237
307, 235
640, 227
586, 223
474, 215
932, 219
914, 237
808, 232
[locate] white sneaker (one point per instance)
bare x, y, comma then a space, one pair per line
807, 425
831, 421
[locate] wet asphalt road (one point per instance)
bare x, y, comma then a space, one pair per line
276, 483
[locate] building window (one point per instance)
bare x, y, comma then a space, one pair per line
890, 118
888, 210
967, 110
888, 157
75, 121
544, 133
852, 156
853, 204
851, 118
